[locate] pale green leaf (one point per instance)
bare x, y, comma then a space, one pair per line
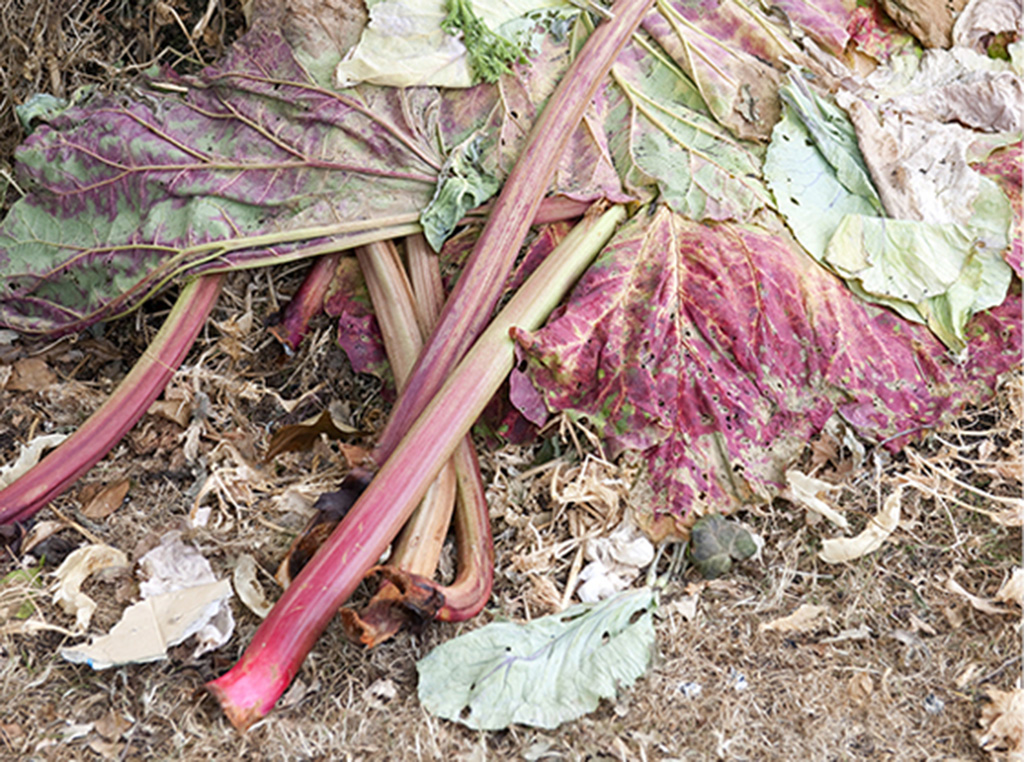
814, 168
542, 673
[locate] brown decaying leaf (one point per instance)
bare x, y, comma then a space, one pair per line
106, 500
301, 436
31, 374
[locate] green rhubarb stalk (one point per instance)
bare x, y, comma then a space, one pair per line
133, 396
251, 688
472, 587
481, 282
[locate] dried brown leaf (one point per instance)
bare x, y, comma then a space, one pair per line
107, 500
31, 374
807, 618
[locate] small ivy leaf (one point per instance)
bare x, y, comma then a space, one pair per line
715, 543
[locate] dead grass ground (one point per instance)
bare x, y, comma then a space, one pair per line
896, 667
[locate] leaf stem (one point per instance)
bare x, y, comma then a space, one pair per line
133, 396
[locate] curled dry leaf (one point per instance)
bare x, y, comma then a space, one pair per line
41, 530
807, 618
1002, 722
805, 491
871, 539
249, 588
72, 574
984, 605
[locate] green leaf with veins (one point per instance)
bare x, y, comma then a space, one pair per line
548, 671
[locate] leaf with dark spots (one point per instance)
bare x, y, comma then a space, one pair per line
718, 350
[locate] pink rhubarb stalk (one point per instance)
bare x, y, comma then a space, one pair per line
250, 689
128, 403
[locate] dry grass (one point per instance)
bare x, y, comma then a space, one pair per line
895, 669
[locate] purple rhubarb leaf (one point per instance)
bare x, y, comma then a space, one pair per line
717, 350
250, 162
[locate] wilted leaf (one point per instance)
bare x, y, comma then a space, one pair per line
30, 374
807, 618
543, 673
715, 543
941, 262
663, 139
723, 47
871, 539
719, 349
302, 436
404, 45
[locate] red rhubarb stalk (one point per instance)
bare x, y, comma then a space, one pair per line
250, 689
307, 303
128, 403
